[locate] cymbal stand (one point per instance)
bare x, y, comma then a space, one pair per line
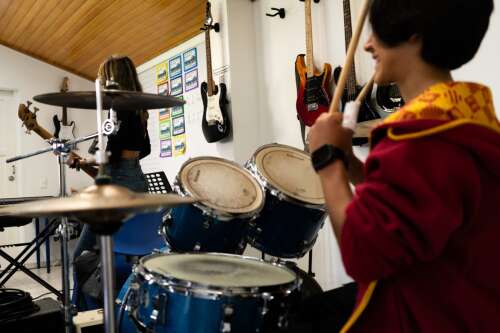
105, 235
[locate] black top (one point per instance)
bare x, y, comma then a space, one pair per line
132, 135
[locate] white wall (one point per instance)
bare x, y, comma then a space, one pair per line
28, 77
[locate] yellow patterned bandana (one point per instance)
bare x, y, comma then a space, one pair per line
456, 103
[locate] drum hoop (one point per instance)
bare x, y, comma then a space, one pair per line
251, 165
213, 212
178, 286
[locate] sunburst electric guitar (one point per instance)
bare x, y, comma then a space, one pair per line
313, 97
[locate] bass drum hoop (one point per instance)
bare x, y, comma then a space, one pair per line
213, 212
178, 286
252, 166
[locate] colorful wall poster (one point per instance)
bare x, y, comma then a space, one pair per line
178, 125
161, 73
175, 66
176, 86
179, 143
165, 148
190, 59
191, 79
177, 110
165, 125
163, 89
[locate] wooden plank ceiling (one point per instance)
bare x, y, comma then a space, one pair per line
77, 35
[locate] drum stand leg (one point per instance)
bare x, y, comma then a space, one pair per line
310, 272
107, 266
64, 238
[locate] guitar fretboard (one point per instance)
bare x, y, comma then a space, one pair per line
309, 39
351, 79
210, 79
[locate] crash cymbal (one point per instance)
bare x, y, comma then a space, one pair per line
97, 204
118, 99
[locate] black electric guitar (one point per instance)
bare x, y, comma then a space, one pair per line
366, 112
215, 121
63, 129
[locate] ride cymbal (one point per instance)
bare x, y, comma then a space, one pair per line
117, 99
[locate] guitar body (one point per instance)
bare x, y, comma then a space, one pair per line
312, 93
63, 132
366, 111
215, 122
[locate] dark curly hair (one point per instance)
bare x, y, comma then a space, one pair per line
451, 30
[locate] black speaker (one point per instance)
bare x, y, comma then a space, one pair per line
48, 319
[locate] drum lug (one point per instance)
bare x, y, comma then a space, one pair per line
158, 314
207, 223
197, 247
228, 312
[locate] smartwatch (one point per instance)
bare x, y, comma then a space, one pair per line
325, 155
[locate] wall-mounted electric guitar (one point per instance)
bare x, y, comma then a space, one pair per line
28, 118
64, 130
313, 96
352, 89
215, 122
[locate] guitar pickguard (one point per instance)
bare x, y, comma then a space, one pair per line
214, 113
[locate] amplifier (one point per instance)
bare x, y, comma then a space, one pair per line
48, 319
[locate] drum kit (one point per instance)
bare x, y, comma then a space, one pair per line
202, 283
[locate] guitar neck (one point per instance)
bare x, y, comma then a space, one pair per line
309, 39
351, 79
210, 79
64, 119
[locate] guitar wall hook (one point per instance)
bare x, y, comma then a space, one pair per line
278, 11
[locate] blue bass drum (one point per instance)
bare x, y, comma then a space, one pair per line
209, 293
229, 198
294, 211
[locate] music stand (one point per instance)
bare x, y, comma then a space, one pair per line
158, 183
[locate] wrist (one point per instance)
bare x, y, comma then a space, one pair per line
326, 155
333, 170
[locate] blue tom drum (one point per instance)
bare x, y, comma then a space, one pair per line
229, 198
294, 211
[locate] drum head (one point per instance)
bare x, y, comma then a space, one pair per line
290, 171
219, 270
221, 185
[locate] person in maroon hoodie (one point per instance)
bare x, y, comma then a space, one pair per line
420, 234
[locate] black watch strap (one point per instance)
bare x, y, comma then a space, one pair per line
326, 155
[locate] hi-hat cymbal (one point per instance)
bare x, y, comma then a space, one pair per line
97, 204
118, 99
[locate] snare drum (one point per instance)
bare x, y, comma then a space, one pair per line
209, 292
294, 210
229, 197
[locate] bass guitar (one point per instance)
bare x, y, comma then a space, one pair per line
215, 121
312, 86
64, 130
28, 118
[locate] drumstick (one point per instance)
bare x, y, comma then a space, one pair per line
366, 89
334, 106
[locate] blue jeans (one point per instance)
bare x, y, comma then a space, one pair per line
127, 173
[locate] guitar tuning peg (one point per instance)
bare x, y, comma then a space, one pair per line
36, 109
28, 103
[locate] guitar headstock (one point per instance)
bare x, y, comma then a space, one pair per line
209, 20
65, 84
28, 117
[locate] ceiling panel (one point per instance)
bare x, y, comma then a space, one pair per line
77, 35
